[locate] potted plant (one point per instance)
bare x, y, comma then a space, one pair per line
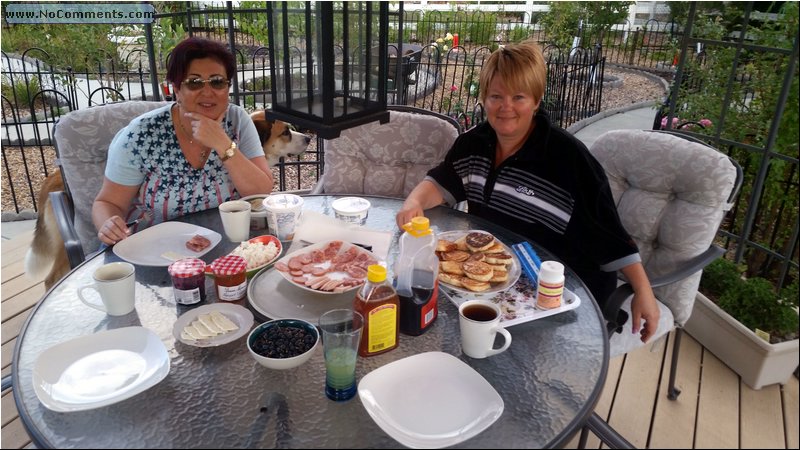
746, 324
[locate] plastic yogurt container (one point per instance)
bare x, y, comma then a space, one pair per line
352, 209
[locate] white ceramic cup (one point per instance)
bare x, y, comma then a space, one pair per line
236, 220
479, 321
116, 284
283, 214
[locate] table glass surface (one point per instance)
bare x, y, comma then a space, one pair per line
549, 379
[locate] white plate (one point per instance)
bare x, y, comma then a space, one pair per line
241, 316
146, 247
332, 275
456, 403
99, 369
513, 271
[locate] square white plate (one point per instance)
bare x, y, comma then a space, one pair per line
146, 247
456, 404
99, 369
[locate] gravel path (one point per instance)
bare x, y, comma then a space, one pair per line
635, 87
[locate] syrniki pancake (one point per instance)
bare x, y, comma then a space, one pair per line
478, 261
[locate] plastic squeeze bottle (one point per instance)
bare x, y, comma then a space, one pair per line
417, 270
377, 301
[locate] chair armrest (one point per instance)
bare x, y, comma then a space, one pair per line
62, 208
693, 265
319, 188
7, 382
613, 314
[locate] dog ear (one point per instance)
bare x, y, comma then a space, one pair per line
264, 128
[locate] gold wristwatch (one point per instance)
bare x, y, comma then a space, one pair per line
228, 154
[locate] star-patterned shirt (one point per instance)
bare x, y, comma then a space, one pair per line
146, 153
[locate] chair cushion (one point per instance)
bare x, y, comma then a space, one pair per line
386, 159
82, 138
671, 195
625, 341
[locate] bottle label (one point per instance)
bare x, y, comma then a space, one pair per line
429, 310
187, 296
232, 293
548, 295
382, 328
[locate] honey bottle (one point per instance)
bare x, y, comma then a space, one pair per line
378, 303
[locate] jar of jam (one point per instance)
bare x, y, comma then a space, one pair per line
188, 280
230, 277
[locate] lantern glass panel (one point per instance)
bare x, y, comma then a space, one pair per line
326, 60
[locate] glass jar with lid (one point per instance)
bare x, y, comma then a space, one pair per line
188, 280
230, 277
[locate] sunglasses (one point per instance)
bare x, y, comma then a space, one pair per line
217, 82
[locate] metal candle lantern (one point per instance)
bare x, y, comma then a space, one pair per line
328, 64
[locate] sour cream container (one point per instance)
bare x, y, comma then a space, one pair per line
352, 209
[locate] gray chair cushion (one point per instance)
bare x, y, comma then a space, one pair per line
671, 195
82, 138
388, 159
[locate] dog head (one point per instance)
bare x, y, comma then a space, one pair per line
278, 139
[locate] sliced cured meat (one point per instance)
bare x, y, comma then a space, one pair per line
283, 267
356, 272
197, 243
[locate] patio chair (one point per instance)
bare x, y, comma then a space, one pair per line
387, 159
672, 192
81, 141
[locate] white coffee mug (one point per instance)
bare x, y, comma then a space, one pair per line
116, 284
479, 321
235, 216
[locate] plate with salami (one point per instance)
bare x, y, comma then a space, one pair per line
166, 242
331, 267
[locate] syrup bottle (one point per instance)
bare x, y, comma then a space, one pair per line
417, 270
377, 301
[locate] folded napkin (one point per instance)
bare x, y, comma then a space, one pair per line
315, 228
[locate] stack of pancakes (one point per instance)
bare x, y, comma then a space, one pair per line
474, 261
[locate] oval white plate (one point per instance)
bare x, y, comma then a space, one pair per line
513, 271
147, 247
456, 404
99, 369
240, 315
335, 275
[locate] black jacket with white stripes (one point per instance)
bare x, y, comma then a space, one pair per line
552, 191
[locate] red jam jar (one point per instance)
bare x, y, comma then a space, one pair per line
230, 277
188, 280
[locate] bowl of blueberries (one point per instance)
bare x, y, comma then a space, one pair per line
283, 343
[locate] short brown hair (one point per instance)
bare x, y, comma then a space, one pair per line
521, 66
193, 48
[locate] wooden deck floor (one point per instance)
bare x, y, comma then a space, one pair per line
715, 410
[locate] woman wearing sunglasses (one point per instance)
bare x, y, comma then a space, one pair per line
187, 156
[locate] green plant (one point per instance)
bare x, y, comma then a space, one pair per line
754, 97
755, 304
720, 276
753, 301
563, 19
21, 91
75, 45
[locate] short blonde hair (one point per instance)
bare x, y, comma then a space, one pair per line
521, 66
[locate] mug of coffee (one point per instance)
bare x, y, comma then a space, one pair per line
116, 284
479, 321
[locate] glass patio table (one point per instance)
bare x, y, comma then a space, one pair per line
549, 379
